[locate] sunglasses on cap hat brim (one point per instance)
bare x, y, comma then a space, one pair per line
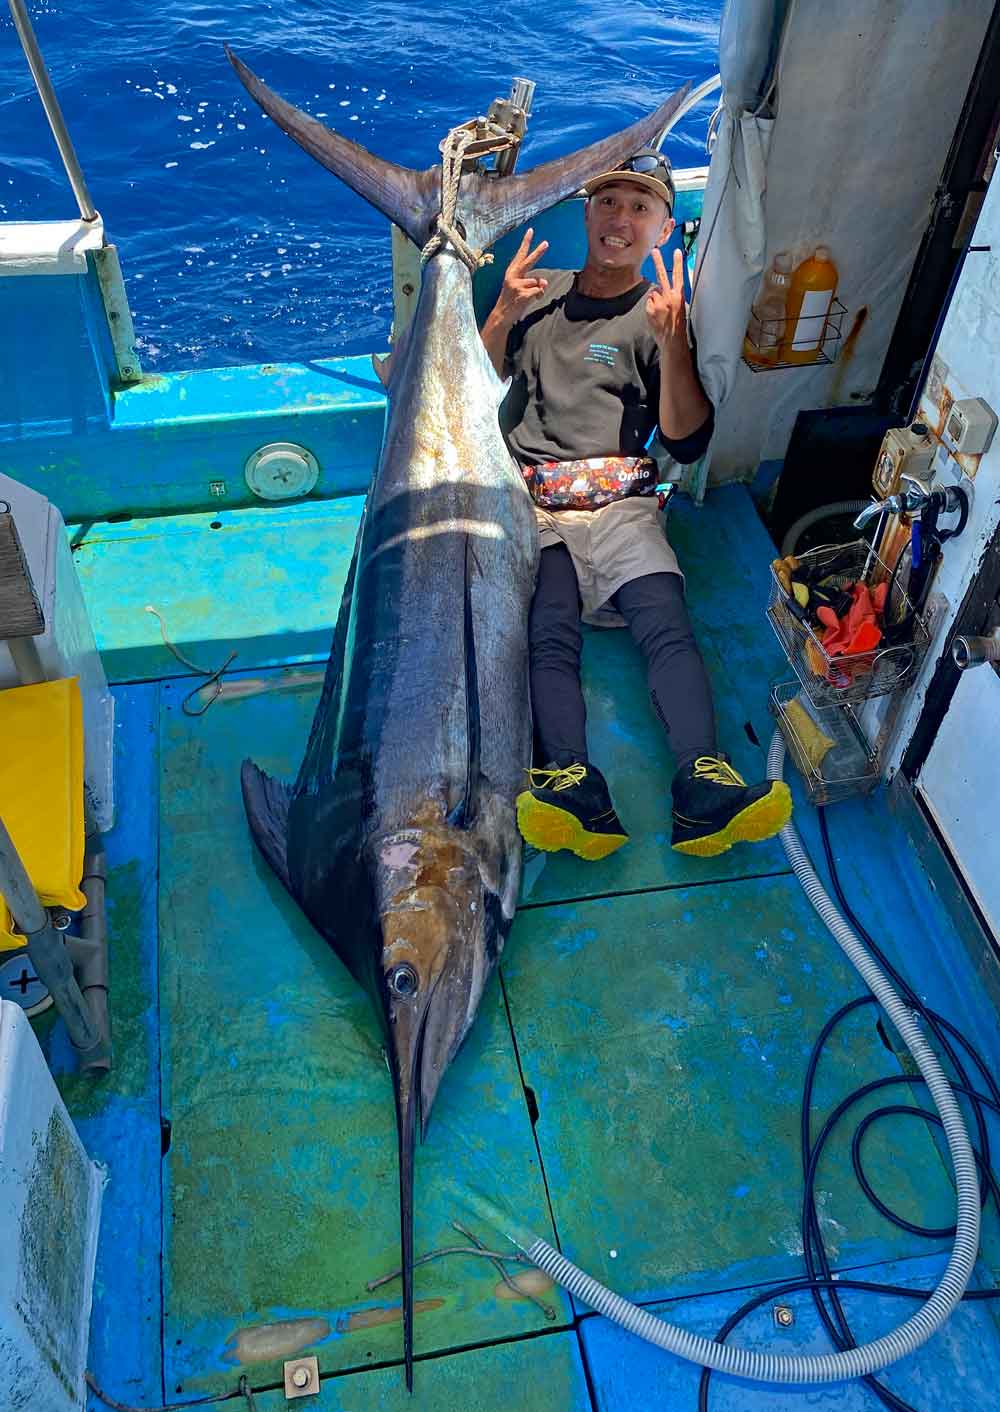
649, 164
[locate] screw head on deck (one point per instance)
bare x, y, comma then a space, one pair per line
783, 1316
301, 1377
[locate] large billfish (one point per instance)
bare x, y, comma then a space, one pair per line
399, 839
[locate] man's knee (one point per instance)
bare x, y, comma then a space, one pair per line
654, 608
554, 638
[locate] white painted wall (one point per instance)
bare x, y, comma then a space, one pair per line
970, 348
960, 783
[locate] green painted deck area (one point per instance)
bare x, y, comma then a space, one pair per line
631, 1087
284, 1141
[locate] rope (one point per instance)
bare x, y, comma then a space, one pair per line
213, 678
444, 226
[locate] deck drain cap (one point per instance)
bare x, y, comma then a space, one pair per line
281, 470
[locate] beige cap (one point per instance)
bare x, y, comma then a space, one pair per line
649, 183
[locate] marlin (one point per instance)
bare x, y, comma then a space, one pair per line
399, 839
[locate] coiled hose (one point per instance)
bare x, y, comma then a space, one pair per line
796, 530
852, 1362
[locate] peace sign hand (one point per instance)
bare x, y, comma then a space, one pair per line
520, 286
665, 307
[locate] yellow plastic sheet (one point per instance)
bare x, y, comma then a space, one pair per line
41, 791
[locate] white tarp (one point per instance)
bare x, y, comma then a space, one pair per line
733, 237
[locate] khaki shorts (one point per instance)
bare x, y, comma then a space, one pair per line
609, 547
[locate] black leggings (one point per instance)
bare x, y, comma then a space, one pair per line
653, 606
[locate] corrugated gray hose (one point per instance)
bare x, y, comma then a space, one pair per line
870, 1357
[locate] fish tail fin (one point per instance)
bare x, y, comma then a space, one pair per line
266, 801
409, 198
488, 207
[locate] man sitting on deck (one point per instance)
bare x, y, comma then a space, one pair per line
600, 359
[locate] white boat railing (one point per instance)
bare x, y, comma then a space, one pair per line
691, 101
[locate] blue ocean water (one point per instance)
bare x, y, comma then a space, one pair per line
236, 246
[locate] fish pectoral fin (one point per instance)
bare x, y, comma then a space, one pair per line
266, 801
382, 368
409, 198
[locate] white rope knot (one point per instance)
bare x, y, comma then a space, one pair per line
444, 226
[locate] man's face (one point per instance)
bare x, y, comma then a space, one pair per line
625, 223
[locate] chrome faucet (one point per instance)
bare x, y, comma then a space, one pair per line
904, 503
916, 497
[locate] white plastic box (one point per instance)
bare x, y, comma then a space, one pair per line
67, 647
50, 1202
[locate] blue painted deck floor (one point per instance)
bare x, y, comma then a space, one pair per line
631, 1088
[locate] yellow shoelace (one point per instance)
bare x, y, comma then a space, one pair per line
709, 767
558, 779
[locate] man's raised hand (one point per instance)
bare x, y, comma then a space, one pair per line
520, 286
665, 307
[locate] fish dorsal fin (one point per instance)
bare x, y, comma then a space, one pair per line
411, 199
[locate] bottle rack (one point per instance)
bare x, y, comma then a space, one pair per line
772, 338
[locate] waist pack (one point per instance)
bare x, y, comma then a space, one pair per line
591, 483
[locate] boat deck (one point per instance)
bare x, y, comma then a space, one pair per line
630, 1090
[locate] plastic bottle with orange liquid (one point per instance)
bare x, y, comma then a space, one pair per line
764, 336
810, 298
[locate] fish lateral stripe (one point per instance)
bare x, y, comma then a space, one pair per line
464, 813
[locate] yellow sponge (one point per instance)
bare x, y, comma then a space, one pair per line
811, 741
41, 791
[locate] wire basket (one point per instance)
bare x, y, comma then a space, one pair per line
827, 745
840, 678
770, 343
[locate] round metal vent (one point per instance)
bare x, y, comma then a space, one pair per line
281, 470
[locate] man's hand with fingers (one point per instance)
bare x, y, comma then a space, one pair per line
665, 307
684, 408
520, 286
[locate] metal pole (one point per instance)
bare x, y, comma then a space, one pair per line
27, 662
89, 953
52, 110
46, 949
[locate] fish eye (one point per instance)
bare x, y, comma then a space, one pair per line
403, 981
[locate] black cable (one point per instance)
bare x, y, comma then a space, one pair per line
794, 1286
820, 1279
244, 1390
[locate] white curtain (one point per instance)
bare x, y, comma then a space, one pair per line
733, 235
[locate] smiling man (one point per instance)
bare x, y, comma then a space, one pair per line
600, 361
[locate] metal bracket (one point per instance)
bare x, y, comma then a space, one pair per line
301, 1377
109, 276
